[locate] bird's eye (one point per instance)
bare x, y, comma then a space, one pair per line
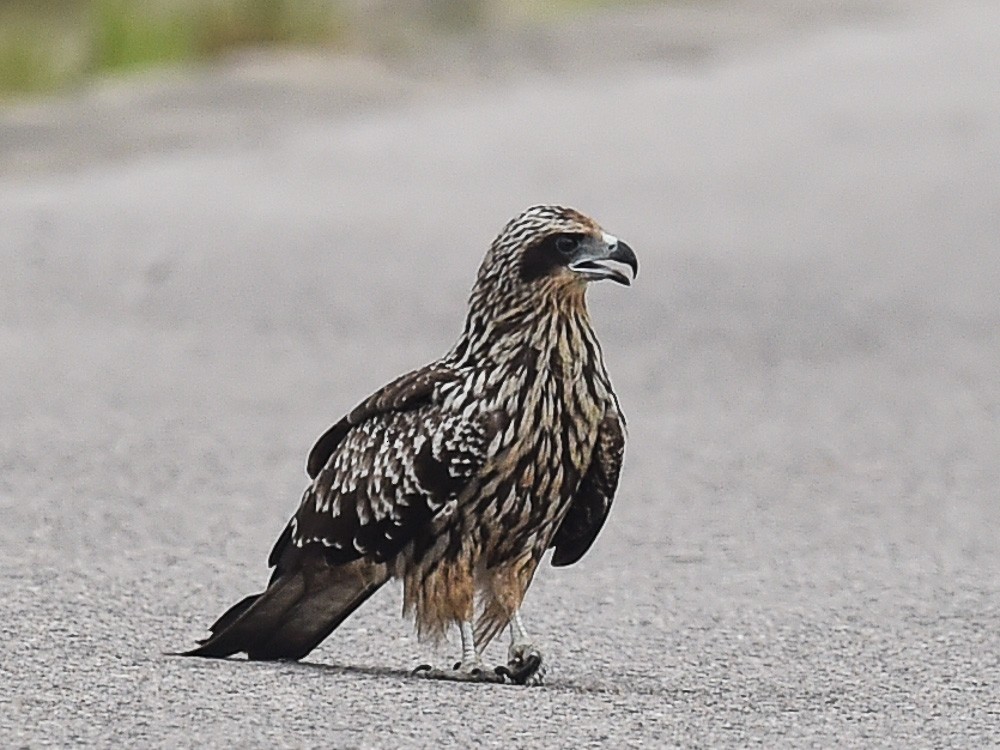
565, 245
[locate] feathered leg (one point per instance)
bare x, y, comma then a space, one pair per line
445, 596
504, 589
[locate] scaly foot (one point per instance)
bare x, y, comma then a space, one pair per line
463, 672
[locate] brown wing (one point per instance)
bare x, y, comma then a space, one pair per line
408, 391
592, 502
391, 465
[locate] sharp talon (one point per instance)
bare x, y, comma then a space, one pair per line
526, 667
422, 668
458, 665
504, 672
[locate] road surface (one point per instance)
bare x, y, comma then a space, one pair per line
202, 271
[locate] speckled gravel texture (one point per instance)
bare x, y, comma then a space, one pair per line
202, 271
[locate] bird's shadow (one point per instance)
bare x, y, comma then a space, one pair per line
354, 669
343, 669
598, 687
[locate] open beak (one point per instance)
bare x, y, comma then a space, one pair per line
596, 259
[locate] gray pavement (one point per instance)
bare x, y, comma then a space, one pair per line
806, 546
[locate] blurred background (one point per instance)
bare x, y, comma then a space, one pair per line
224, 223
48, 45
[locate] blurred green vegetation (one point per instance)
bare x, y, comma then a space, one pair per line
50, 44
47, 44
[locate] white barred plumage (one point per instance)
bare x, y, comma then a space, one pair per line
457, 477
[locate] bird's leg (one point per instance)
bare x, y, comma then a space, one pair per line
524, 660
469, 669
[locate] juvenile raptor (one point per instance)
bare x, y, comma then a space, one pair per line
457, 477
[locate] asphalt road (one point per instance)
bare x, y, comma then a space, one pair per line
806, 546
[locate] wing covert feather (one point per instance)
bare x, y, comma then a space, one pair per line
408, 391
398, 462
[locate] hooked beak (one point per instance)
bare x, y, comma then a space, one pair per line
594, 257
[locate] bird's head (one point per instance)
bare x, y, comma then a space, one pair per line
555, 250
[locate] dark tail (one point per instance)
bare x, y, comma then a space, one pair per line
298, 610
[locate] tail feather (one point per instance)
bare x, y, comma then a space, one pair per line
299, 609
230, 615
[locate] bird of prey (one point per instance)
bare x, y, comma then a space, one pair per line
456, 478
